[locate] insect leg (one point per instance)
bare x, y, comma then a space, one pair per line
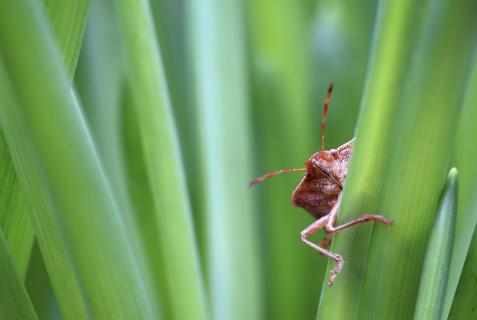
331, 228
311, 229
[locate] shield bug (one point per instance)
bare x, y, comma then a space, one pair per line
319, 192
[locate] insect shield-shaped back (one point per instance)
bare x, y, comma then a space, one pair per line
318, 190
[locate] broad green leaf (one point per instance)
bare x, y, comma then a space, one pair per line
85, 208
184, 287
404, 143
15, 303
435, 272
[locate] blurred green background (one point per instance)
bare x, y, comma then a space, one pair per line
131, 128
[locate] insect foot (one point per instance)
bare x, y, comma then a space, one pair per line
336, 257
336, 270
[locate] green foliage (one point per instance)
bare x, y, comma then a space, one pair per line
464, 305
15, 303
465, 153
399, 162
130, 129
435, 272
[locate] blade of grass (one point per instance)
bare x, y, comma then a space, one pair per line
465, 154
400, 158
68, 20
99, 81
185, 289
435, 272
47, 229
14, 219
39, 204
170, 22
142, 200
394, 22
39, 287
222, 108
15, 303
464, 305
86, 210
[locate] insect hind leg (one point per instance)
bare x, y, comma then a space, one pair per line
313, 228
331, 228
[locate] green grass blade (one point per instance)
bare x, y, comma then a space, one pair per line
466, 154
39, 287
185, 288
85, 206
170, 20
100, 80
400, 159
46, 228
225, 144
14, 219
68, 20
464, 304
41, 210
435, 272
15, 303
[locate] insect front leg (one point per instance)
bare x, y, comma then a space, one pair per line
332, 229
313, 228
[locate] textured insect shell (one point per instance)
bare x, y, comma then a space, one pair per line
325, 173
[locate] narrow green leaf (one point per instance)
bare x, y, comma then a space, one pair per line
100, 80
46, 227
39, 204
404, 143
171, 21
465, 155
185, 288
68, 20
14, 219
85, 207
464, 304
39, 287
15, 303
219, 74
435, 272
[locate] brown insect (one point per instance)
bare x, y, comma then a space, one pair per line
319, 192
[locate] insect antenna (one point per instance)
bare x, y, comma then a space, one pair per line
272, 174
325, 112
